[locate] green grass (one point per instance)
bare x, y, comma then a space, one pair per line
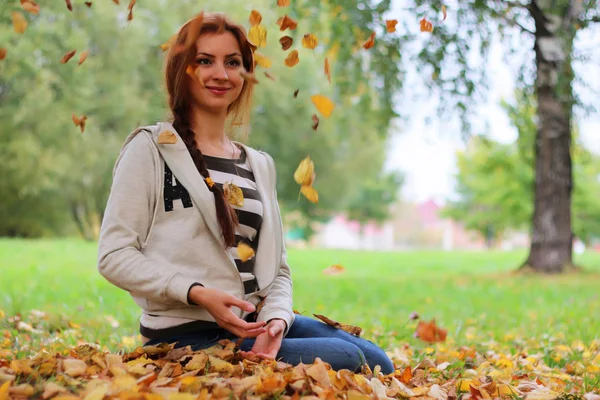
475, 295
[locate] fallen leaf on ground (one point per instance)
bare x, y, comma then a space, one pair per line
429, 332
353, 330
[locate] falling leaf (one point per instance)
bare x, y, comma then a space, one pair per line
258, 36
444, 12
82, 57
88, 3
310, 41
286, 42
315, 120
310, 193
429, 332
292, 59
80, 122
244, 251
249, 77
192, 72
286, 23
353, 330
327, 69
283, 3
117, 2
390, 25
3, 53
195, 26
69, 5
425, 25
324, 105
335, 269
271, 77
233, 194
130, 15
30, 6
131, 4
68, 56
169, 43
167, 137
370, 42
262, 61
255, 18
305, 173
19, 22
296, 93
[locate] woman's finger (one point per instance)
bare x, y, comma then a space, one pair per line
241, 304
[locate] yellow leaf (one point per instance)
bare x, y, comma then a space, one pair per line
98, 393
310, 193
73, 367
51, 389
319, 373
4, 390
233, 194
258, 36
82, 57
323, 104
22, 390
292, 59
310, 41
255, 18
444, 12
283, 3
245, 252
305, 173
327, 69
262, 61
19, 22
198, 361
390, 25
30, 6
335, 269
218, 365
167, 137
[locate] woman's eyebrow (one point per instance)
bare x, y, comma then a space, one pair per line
210, 55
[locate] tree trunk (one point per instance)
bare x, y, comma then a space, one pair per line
551, 239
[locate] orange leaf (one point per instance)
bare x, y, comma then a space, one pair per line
429, 332
19, 22
169, 43
116, 2
283, 3
286, 42
425, 25
406, 375
444, 12
296, 93
68, 56
130, 15
310, 41
305, 173
248, 77
292, 59
390, 25
88, 3
3, 52
315, 120
287, 22
80, 122
327, 69
131, 4
69, 5
255, 18
334, 269
370, 42
323, 104
30, 6
82, 57
191, 71
310, 193
271, 77
193, 33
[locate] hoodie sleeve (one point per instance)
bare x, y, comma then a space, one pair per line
278, 302
126, 223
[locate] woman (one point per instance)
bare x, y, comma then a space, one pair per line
170, 235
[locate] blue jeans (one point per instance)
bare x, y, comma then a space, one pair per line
306, 340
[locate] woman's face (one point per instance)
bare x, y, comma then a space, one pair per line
219, 63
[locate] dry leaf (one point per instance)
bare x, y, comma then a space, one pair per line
429, 332
283, 3
292, 59
310, 193
444, 12
192, 34
244, 251
406, 375
271, 77
19, 22
88, 3
80, 122
370, 42
327, 69
286, 42
335, 269
69, 5
82, 57
310, 41
258, 36
287, 22
353, 330
73, 367
51, 389
296, 93
262, 61
323, 104
68, 56
315, 121
390, 25
3, 53
233, 194
192, 72
167, 137
131, 4
30, 6
425, 25
169, 43
248, 77
4, 390
305, 173
117, 2
255, 18
130, 16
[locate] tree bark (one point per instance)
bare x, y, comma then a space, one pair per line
551, 236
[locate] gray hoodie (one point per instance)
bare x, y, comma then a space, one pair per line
157, 255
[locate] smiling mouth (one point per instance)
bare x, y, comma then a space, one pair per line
218, 90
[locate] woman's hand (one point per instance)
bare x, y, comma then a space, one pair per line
219, 303
267, 344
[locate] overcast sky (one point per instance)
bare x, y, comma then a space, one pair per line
426, 153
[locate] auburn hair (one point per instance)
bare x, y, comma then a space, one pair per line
180, 102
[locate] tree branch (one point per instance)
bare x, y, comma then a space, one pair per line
514, 4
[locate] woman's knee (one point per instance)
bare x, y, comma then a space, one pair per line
381, 359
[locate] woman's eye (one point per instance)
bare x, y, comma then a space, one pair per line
234, 63
203, 61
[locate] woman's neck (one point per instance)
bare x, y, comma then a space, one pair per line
209, 132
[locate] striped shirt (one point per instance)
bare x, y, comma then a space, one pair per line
238, 172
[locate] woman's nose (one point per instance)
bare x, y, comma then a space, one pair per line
219, 72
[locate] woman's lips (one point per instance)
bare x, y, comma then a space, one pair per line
218, 91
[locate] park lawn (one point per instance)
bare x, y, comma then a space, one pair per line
476, 296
